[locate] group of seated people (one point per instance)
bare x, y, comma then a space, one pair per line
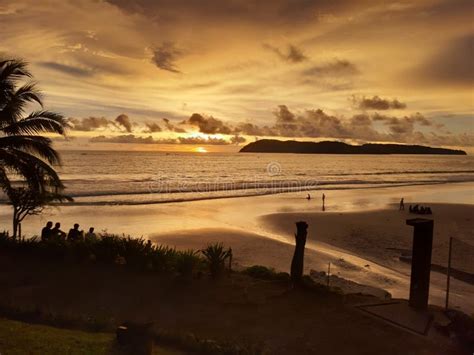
420, 209
50, 233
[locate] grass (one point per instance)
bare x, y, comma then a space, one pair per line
23, 338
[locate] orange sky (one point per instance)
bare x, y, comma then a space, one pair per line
177, 75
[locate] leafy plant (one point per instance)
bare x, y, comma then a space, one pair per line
186, 263
216, 256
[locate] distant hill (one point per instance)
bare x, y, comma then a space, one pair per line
327, 147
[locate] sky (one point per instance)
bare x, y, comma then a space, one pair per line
214, 75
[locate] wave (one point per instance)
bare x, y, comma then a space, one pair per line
118, 198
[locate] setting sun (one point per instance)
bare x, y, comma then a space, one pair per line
200, 150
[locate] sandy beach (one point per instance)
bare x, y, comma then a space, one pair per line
361, 233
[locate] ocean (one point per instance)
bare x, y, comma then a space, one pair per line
118, 177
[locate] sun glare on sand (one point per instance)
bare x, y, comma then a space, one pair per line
200, 150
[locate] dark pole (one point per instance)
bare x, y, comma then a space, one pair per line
448, 274
420, 262
298, 256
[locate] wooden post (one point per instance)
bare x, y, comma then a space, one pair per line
448, 273
298, 257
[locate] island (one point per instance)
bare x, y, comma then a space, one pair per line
334, 147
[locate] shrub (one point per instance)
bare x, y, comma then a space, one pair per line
216, 256
264, 273
186, 262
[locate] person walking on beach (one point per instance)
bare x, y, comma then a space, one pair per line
46, 231
324, 200
74, 233
308, 197
402, 205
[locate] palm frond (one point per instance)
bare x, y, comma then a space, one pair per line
38, 174
35, 145
38, 122
12, 70
13, 108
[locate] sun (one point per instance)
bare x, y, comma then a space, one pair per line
200, 150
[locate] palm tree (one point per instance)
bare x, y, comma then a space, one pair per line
24, 152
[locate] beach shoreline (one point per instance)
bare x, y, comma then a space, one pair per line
358, 228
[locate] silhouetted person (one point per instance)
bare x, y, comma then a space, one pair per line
308, 197
74, 233
428, 210
402, 205
324, 200
46, 231
410, 209
415, 209
56, 232
422, 210
91, 235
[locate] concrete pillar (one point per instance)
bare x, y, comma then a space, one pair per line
420, 261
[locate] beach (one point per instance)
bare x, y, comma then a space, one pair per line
361, 232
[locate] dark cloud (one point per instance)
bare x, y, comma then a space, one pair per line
258, 12
208, 125
284, 115
152, 127
171, 127
66, 69
292, 54
404, 125
451, 65
165, 56
377, 103
90, 123
124, 121
338, 67
251, 129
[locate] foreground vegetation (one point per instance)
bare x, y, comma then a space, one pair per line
23, 338
126, 252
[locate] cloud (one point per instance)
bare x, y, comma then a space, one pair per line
164, 57
237, 139
284, 115
127, 139
208, 125
124, 121
66, 69
337, 67
404, 125
452, 64
275, 13
90, 123
292, 54
200, 140
171, 127
152, 127
377, 103
134, 139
